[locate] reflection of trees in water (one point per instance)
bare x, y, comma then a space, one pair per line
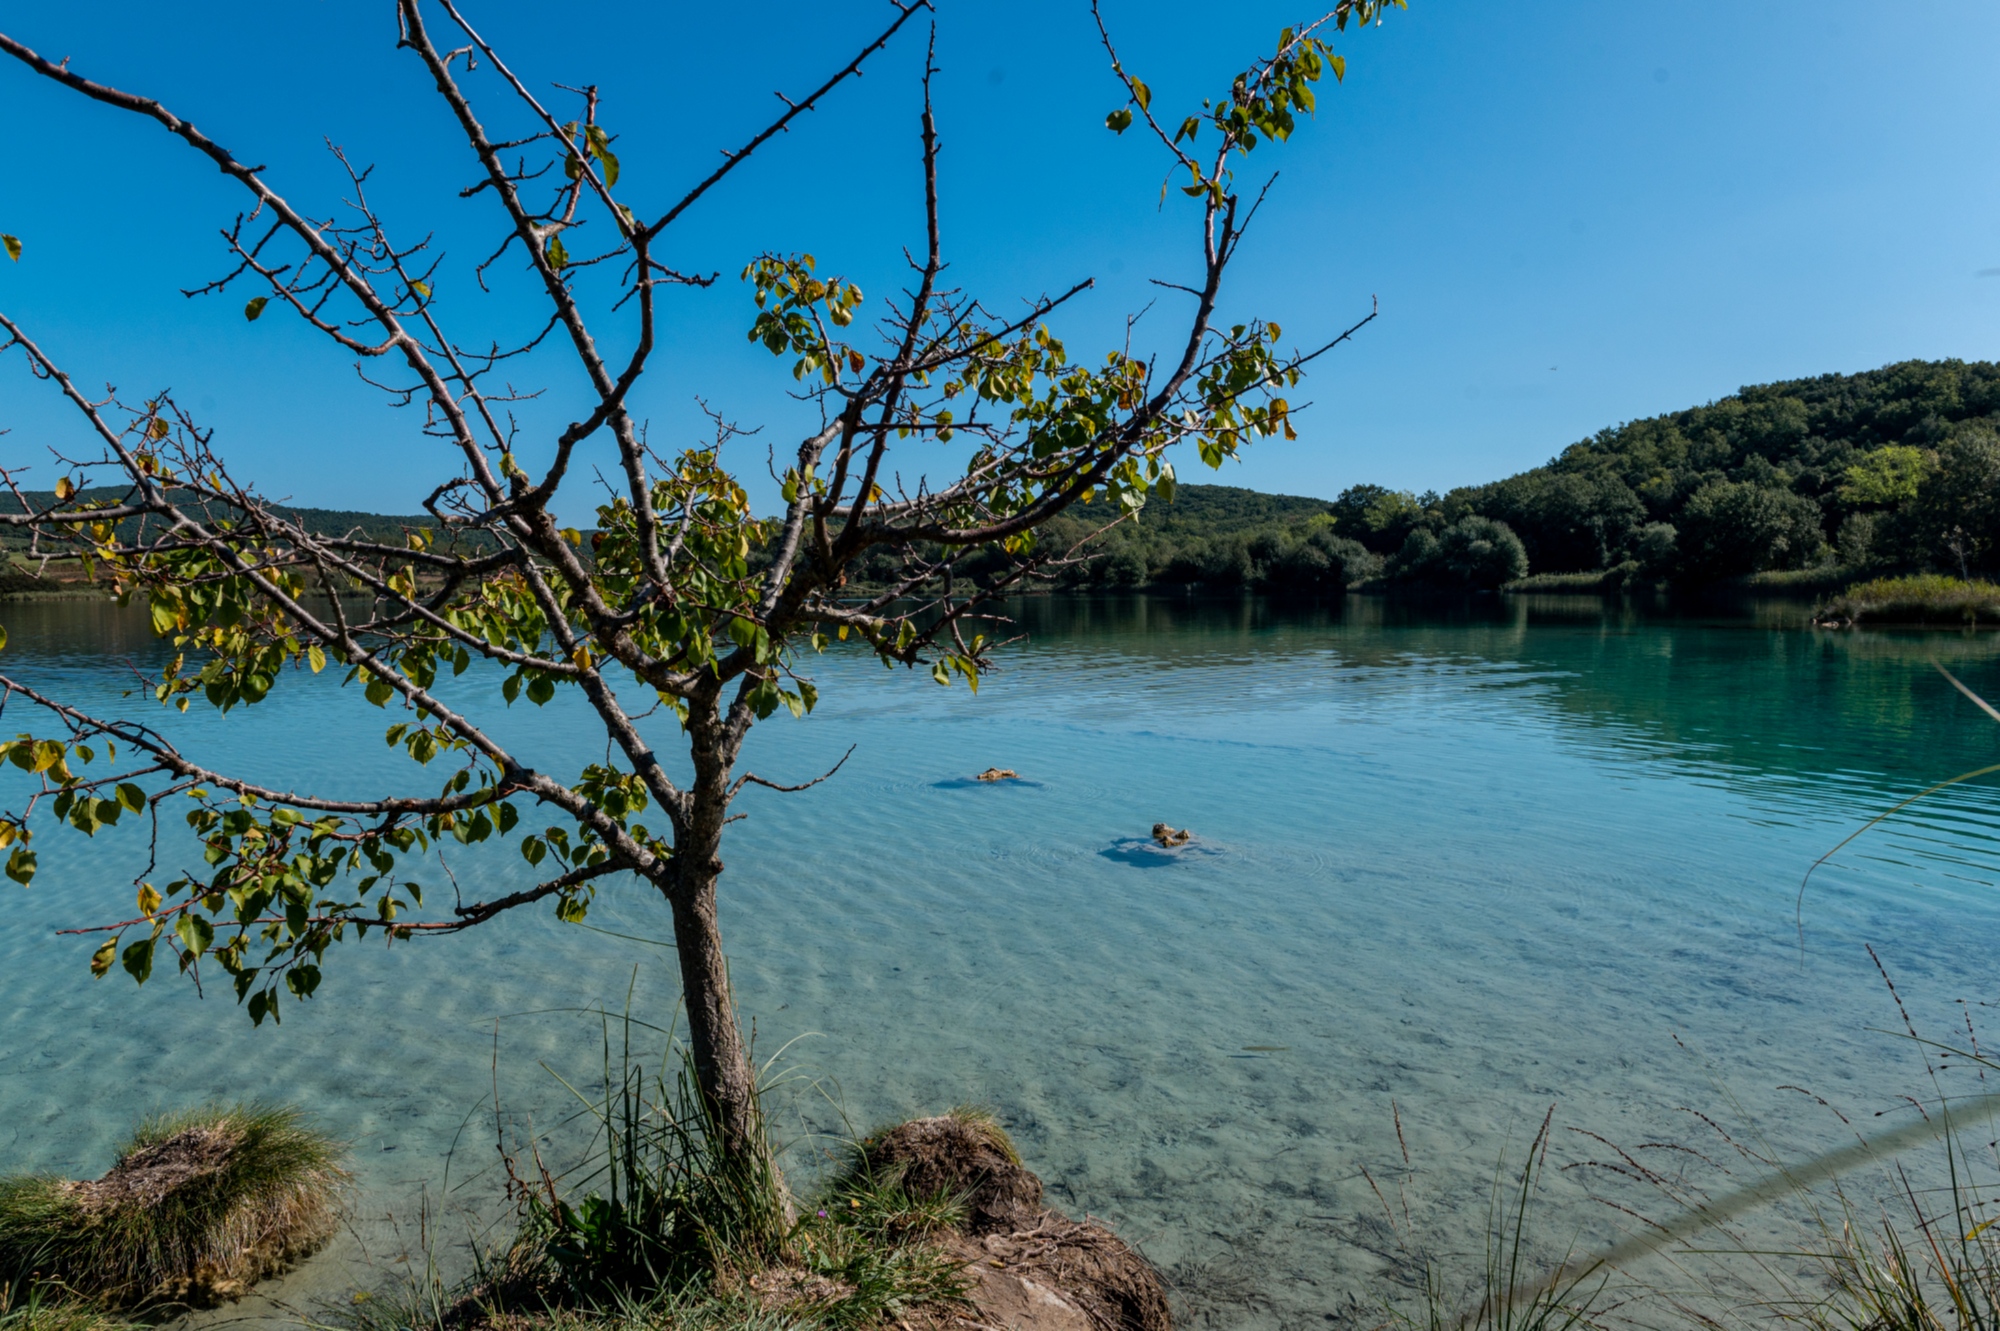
1742, 688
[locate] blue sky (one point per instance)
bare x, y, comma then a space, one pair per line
1572, 213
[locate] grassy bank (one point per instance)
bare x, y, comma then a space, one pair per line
1929, 599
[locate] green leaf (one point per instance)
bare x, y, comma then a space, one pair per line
1118, 121
100, 960
558, 256
255, 307
378, 691
12, 245
195, 933
540, 689
131, 796
138, 960
508, 817
21, 865
1142, 93
316, 658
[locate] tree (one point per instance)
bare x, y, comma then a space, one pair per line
1567, 522
1731, 527
1475, 553
1955, 520
681, 597
1379, 518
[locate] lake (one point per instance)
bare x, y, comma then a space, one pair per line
1453, 866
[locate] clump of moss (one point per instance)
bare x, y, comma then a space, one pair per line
1930, 598
198, 1207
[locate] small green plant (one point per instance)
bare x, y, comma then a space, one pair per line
199, 1206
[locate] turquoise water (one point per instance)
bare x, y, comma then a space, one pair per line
1453, 868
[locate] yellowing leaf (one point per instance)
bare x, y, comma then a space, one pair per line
255, 307
65, 487
149, 900
13, 246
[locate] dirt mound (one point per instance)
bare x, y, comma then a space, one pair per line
966, 1155
1060, 1274
1032, 1269
150, 1175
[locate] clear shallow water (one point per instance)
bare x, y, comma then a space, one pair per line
1468, 864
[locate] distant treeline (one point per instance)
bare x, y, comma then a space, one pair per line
381, 528
1896, 469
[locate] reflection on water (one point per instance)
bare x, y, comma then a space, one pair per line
1470, 859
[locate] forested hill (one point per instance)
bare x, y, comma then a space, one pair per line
1897, 467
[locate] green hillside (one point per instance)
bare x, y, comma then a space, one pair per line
1896, 468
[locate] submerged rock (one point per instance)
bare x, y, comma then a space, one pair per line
1171, 836
998, 774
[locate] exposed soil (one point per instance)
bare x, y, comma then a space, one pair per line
965, 1157
1033, 1269
148, 1177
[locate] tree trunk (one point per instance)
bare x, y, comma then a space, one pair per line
721, 1062
727, 1083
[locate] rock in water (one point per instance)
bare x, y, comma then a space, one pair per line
1171, 836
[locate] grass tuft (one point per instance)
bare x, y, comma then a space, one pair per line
199, 1206
659, 1228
